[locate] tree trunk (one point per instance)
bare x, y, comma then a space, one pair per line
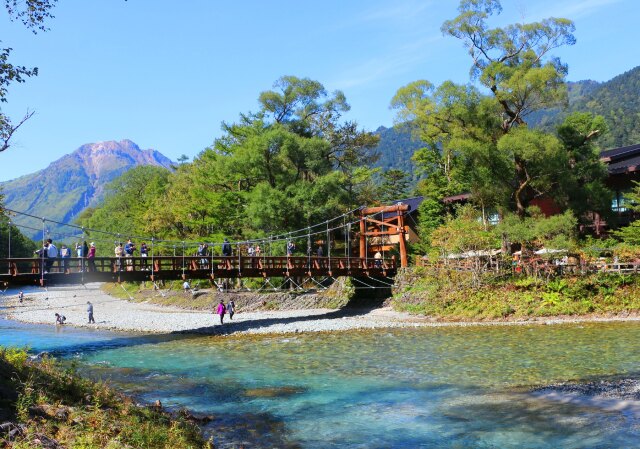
522, 177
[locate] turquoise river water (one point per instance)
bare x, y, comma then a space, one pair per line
456, 387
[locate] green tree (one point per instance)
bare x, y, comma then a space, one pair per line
21, 246
480, 143
394, 186
292, 163
465, 236
129, 200
33, 14
584, 191
536, 230
631, 234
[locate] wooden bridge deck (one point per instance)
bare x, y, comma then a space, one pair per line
25, 271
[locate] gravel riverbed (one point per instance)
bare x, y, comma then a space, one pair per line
117, 314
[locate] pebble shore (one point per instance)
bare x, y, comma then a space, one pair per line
116, 314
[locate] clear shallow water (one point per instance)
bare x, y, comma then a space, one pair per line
439, 387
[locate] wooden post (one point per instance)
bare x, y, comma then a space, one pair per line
403, 244
363, 237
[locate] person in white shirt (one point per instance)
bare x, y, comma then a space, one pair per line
52, 254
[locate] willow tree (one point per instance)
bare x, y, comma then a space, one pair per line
476, 135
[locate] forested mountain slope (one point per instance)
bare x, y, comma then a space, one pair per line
69, 185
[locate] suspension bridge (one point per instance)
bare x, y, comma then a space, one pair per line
371, 233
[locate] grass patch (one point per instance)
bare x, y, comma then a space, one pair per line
48, 403
451, 296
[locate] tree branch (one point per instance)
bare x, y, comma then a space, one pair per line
7, 130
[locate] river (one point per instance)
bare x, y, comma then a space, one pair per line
452, 387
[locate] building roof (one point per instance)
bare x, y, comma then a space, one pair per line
618, 153
412, 202
625, 166
622, 160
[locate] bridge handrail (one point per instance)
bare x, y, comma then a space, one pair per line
191, 263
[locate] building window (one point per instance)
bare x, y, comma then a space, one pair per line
618, 204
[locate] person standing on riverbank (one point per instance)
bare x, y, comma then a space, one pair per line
90, 312
221, 310
231, 308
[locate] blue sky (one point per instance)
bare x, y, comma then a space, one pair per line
165, 74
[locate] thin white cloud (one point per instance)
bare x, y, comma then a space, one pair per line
572, 9
394, 62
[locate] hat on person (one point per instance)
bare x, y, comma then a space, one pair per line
93, 244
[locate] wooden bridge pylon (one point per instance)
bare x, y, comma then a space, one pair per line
391, 223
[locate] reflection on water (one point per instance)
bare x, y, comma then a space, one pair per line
439, 387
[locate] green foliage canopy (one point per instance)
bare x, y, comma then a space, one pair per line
476, 135
291, 164
129, 200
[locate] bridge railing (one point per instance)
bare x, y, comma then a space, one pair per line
191, 265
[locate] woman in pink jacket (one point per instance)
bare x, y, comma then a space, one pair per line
221, 310
91, 257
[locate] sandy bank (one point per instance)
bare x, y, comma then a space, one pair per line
116, 314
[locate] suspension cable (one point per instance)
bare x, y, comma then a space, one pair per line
183, 250
9, 249
349, 246
291, 234
42, 252
153, 265
328, 246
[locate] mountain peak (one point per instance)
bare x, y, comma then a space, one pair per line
77, 180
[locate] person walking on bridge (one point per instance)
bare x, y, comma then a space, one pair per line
52, 254
91, 257
227, 252
221, 310
119, 250
144, 253
85, 253
80, 254
90, 312
129, 249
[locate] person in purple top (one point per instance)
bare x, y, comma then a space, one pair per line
221, 310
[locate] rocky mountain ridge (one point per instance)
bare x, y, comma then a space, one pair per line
75, 181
